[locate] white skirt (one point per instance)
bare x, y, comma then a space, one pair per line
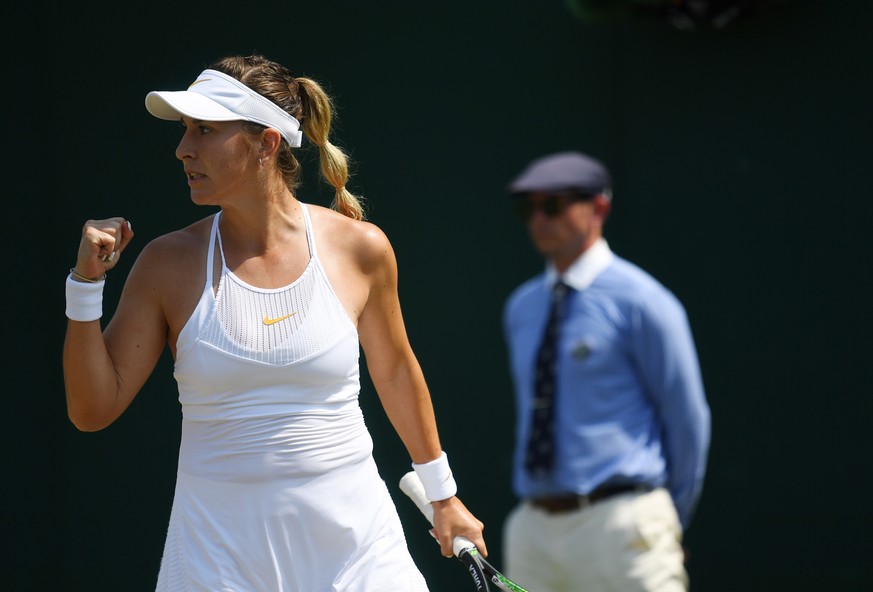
298, 519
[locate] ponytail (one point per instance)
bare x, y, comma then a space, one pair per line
333, 162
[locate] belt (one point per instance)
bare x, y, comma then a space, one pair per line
554, 504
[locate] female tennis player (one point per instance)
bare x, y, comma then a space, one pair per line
264, 306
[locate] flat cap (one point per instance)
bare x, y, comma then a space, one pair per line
563, 171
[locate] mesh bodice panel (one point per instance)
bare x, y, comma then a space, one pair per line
276, 326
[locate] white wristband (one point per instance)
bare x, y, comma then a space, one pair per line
84, 300
436, 476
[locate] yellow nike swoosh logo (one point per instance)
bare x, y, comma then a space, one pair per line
199, 81
269, 321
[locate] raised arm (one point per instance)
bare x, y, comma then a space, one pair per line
103, 370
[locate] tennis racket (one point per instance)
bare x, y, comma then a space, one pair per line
481, 571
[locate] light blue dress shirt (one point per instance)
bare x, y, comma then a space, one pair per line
630, 403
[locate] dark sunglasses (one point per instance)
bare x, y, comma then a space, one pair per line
552, 204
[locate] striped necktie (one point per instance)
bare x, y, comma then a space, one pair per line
541, 447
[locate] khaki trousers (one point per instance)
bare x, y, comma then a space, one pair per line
627, 543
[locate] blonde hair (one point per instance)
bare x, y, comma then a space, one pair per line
305, 100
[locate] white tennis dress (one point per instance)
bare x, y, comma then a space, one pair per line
277, 489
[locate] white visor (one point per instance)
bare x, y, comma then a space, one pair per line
215, 96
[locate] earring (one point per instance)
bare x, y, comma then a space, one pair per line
261, 161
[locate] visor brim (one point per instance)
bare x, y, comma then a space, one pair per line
172, 105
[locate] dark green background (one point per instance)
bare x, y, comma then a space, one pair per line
741, 159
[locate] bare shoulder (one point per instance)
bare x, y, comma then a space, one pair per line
172, 267
170, 271
177, 249
363, 241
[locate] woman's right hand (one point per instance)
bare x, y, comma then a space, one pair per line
101, 246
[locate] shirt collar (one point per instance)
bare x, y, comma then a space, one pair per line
585, 269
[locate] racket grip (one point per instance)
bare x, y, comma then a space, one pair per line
411, 485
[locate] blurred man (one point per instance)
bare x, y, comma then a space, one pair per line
613, 425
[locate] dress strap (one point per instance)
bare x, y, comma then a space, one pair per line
310, 237
210, 254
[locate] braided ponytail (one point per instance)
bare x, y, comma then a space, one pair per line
333, 162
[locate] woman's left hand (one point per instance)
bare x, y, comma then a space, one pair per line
452, 519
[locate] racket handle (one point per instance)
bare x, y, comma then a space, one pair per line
411, 485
